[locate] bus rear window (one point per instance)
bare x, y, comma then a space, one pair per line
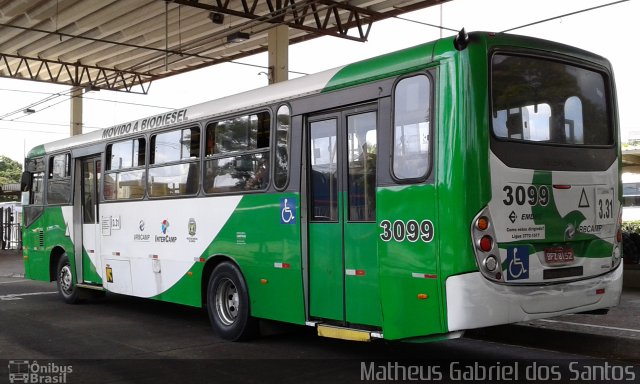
545, 101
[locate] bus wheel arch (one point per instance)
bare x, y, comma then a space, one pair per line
56, 254
227, 300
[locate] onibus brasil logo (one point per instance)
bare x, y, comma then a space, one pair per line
25, 371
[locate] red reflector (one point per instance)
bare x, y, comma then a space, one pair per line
418, 275
600, 291
486, 243
202, 260
286, 265
430, 276
360, 272
561, 186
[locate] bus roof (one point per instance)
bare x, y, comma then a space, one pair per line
384, 66
341, 77
253, 98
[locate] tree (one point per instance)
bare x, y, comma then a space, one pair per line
10, 172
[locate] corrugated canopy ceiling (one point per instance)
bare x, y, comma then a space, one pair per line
125, 44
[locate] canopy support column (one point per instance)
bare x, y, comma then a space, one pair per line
76, 111
278, 54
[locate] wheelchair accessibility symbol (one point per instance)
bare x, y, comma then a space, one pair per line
518, 263
287, 210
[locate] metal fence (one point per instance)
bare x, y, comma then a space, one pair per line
10, 229
11, 235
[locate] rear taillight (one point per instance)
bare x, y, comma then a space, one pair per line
482, 223
491, 263
617, 247
485, 246
486, 243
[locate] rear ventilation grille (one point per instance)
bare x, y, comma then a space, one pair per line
41, 238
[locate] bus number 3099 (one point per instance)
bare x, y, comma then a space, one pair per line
411, 230
532, 195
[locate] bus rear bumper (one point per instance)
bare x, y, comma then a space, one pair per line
475, 302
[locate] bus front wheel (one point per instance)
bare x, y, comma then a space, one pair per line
228, 304
64, 278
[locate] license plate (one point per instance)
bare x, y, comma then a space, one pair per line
558, 255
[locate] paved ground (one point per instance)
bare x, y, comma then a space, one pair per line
122, 339
11, 263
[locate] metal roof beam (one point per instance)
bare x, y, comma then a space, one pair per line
329, 18
77, 75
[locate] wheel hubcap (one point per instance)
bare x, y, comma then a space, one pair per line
65, 279
227, 302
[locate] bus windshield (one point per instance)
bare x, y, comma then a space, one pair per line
545, 101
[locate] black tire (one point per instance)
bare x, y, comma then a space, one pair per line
228, 304
64, 279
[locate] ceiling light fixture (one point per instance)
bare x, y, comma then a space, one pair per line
238, 37
216, 18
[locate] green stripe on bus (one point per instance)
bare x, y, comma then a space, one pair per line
382, 67
36, 151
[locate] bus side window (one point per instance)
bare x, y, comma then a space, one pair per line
361, 175
324, 171
174, 167
281, 158
412, 128
37, 189
237, 154
121, 178
35, 206
59, 183
573, 124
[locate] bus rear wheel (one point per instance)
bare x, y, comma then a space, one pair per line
64, 279
228, 304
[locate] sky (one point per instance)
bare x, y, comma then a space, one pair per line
606, 31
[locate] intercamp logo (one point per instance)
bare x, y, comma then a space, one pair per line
164, 226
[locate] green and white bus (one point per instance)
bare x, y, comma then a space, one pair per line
462, 183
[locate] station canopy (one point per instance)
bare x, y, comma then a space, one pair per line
123, 45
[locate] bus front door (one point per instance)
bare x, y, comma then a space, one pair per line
343, 263
90, 169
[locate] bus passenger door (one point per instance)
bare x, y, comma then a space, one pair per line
89, 200
343, 262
